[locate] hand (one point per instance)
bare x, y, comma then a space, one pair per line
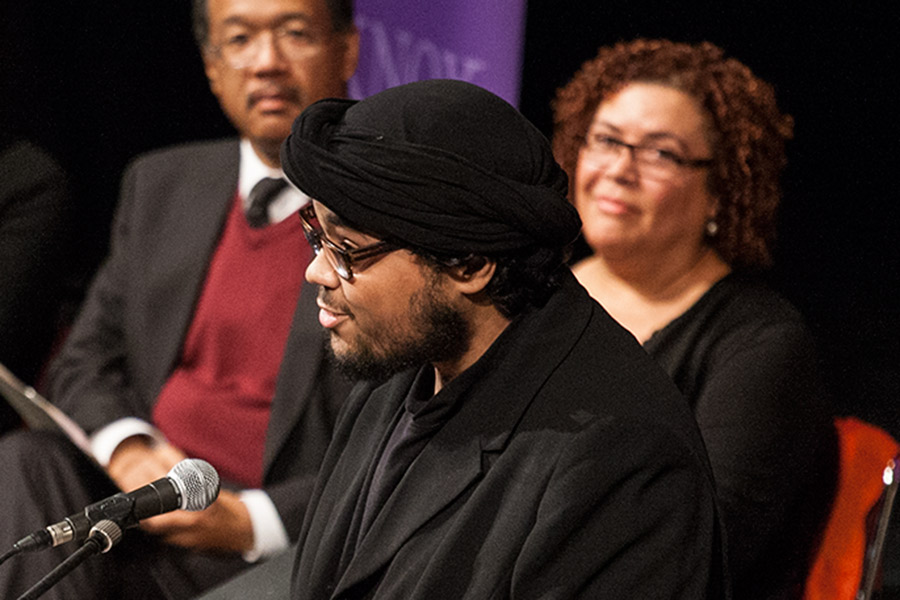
138, 460
223, 526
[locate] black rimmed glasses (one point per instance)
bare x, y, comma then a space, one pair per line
341, 259
652, 161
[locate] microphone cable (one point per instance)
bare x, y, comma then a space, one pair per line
9, 554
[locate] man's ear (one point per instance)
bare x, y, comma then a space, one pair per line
350, 55
213, 70
472, 276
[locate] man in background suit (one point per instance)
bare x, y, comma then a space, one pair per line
193, 340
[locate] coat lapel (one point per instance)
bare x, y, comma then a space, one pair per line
179, 266
298, 373
439, 475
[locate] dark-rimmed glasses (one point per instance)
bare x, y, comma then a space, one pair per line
656, 163
340, 259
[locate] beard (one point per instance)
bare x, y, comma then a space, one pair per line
438, 332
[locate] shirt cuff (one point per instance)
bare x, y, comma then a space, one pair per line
105, 441
269, 534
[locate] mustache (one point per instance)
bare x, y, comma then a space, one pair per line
328, 299
290, 94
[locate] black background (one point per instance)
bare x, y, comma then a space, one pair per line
98, 82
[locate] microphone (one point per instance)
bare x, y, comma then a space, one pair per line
192, 484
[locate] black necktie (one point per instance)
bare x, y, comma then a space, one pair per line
261, 196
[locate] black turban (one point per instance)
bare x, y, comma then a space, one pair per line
441, 165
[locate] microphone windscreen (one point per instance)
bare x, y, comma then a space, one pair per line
197, 482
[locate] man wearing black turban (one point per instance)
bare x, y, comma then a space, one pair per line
507, 438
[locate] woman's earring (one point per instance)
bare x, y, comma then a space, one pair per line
712, 228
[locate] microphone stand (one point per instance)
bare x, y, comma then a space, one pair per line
104, 535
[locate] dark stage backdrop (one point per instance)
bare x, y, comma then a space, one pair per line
98, 82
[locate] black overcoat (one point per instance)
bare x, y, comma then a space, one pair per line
572, 469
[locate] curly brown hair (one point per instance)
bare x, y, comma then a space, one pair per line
748, 131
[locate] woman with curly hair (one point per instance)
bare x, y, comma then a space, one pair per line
674, 154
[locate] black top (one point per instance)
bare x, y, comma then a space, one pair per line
422, 415
746, 362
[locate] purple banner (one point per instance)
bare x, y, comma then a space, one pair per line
479, 41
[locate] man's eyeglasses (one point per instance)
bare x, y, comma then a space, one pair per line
340, 259
240, 49
653, 162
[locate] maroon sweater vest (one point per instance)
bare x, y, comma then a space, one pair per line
216, 403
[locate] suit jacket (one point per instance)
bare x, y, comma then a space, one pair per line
34, 198
131, 327
573, 468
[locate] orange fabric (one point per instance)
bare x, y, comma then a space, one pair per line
864, 453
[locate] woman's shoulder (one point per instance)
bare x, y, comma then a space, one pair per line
740, 311
745, 298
